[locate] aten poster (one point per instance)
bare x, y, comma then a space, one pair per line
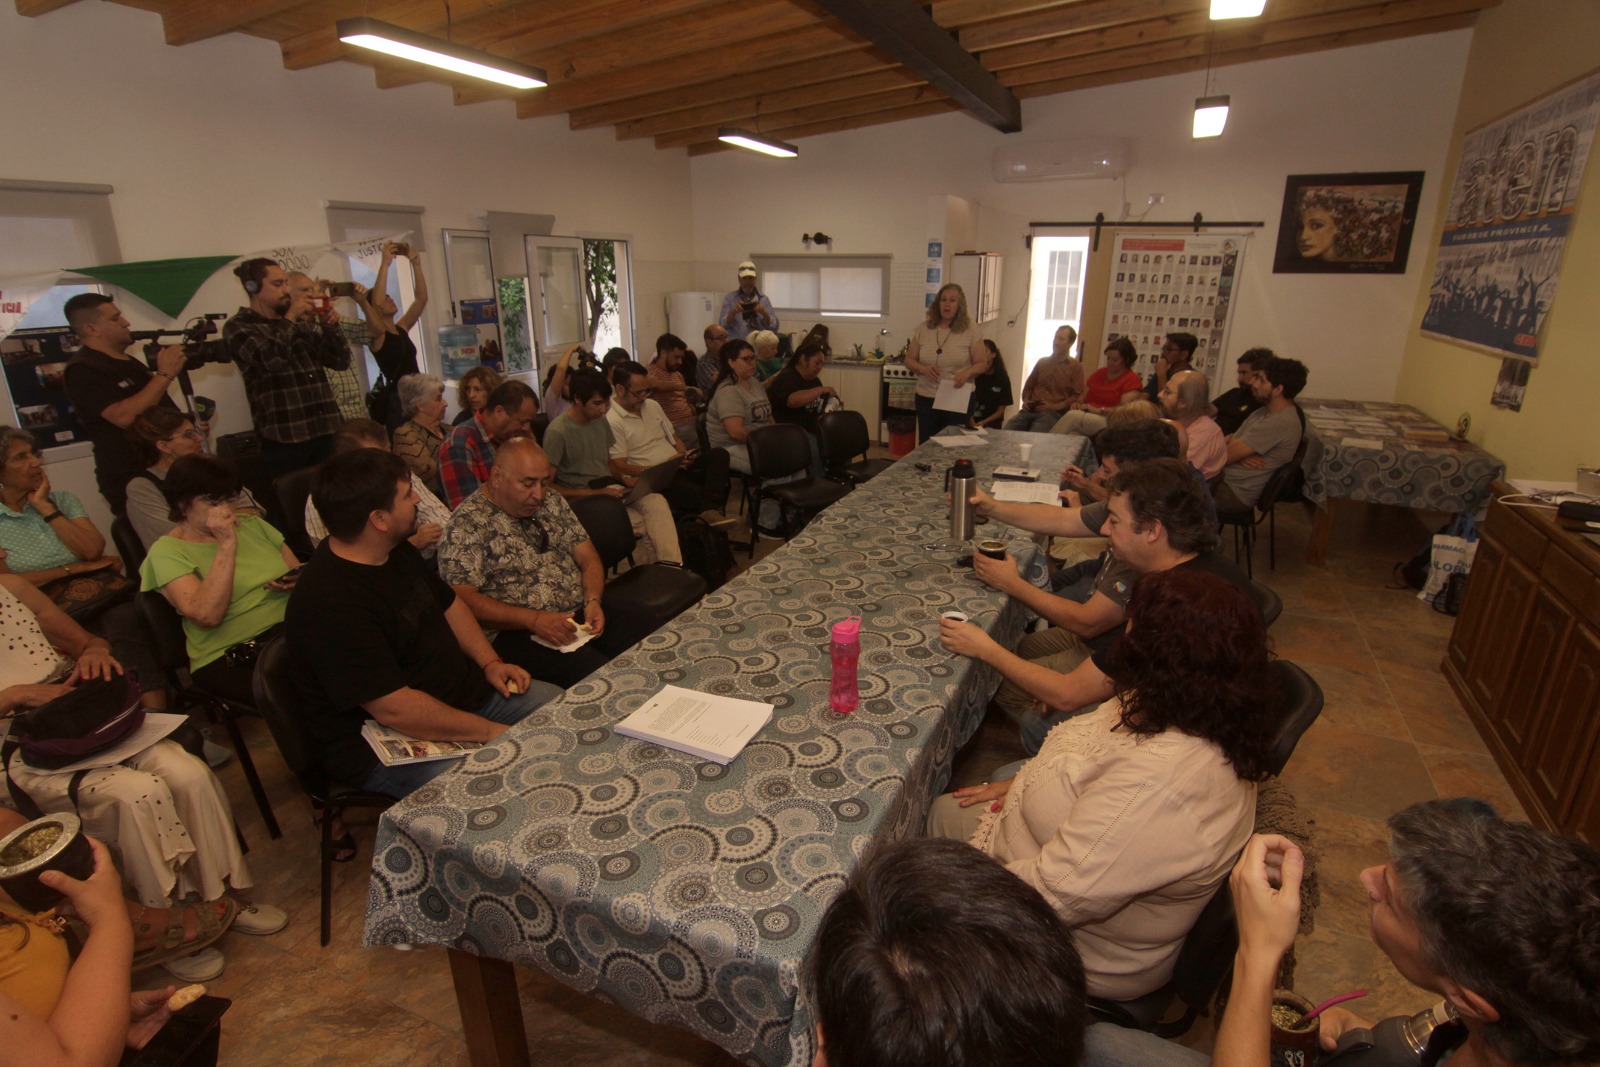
1506, 226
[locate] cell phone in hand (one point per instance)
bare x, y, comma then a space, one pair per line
289, 577
342, 289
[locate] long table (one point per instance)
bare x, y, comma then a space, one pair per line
687, 892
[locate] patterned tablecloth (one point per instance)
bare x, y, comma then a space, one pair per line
1392, 454
690, 893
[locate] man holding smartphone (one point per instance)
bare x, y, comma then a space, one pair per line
643, 436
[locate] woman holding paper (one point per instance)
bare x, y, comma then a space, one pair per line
946, 347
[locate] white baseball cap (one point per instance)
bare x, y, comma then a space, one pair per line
747, 269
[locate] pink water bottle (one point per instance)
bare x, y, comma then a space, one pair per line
845, 650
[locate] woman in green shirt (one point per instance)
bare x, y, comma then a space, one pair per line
226, 573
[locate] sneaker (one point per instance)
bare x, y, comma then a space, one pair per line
203, 966
216, 755
714, 518
259, 919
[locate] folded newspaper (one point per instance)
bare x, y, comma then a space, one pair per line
395, 748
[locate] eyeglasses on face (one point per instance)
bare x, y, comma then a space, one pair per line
192, 433
748, 357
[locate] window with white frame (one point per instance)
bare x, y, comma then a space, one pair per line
826, 286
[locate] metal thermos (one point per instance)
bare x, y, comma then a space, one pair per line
963, 480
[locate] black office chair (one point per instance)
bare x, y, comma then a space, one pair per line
1300, 702
291, 491
843, 436
782, 451
662, 590
164, 627
278, 703
1284, 486
1204, 963
541, 423
1270, 603
128, 544
743, 487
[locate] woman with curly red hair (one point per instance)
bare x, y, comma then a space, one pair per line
1131, 815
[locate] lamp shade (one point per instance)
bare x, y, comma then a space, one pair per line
756, 143
1210, 116
385, 37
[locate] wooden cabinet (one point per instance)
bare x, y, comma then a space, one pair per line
1525, 660
858, 388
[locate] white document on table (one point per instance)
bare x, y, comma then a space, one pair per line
711, 727
1025, 493
953, 397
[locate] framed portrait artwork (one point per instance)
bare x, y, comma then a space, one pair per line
1347, 223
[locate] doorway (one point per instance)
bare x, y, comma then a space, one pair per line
1055, 294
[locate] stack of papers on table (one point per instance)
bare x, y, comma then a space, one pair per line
396, 749
1026, 492
711, 727
965, 439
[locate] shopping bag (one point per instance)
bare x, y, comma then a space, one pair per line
1452, 554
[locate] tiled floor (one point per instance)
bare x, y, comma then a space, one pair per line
1391, 733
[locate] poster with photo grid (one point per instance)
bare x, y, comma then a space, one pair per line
1175, 283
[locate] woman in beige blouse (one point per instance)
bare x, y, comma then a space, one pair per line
417, 440
947, 344
1131, 815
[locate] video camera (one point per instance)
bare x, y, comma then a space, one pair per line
583, 359
197, 349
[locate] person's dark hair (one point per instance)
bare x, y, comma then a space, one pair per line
1510, 912
807, 350
253, 272
731, 348
1165, 491
359, 433
152, 425
78, 309
934, 953
622, 372
1256, 358
1124, 348
192, 477
587, 384
509, 396
352, 485
668, 341
1194, 659
1289, 373
1137, 441
1186, 341
613, 357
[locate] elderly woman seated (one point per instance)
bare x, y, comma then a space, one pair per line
1131, 815
417, 440
46, 535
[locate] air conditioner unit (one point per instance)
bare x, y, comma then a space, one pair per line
1049, 161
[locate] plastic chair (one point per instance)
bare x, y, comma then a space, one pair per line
1270, 603
662, 590
164, 627
782, 451
705, 446
279, 703
1204, 963
1300, 701
291, 491
843, 436
1284, 485
128, 544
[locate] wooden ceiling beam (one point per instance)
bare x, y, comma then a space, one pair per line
575, 20
752, 56
915, 111
860, 105
957, 13
198, 20
1069, 19
758, 110
809, 72
34, 8
909, 34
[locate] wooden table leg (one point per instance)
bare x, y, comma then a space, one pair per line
491, 1010
1321, 531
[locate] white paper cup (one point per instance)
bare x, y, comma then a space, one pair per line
1027, 452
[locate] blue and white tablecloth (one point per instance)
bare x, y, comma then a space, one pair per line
1392, 454
687, 892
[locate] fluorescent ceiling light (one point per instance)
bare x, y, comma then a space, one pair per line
1210, 116
756, 143
398, 41
1236, 9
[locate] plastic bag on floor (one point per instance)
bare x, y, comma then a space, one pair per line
1451, 554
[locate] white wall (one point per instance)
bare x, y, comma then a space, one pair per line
1387, 106
214, 148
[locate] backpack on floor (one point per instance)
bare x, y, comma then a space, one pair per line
705, 551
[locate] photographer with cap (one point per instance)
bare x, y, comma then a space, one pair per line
747, 309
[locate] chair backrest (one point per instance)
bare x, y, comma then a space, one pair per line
1270, 603
1207, 953
129, 546
291, 491
605, 518
1300, 702
843, 436
700, 432
164, 626
779, 451
276, 700
541, 423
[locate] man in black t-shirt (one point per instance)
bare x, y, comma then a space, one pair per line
109, 389
1234, 406
374, 633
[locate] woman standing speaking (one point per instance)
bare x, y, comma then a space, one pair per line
946, 345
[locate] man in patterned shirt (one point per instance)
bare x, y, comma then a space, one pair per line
284, 353
517, 556
468, 452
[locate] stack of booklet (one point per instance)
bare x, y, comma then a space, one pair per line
395, 748
711, 727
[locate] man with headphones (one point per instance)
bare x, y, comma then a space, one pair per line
284, 354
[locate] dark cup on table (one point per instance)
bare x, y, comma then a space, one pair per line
991, 547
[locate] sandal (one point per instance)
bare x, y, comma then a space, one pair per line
209, 925
344, 848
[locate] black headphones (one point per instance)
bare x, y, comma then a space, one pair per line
252, 286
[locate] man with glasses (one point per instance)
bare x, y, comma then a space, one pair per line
643, 436
1177, 355
109, 389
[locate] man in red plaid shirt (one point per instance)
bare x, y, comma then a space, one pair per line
468, 453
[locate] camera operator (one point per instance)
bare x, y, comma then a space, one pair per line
109, 389
747, 309
284, 353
